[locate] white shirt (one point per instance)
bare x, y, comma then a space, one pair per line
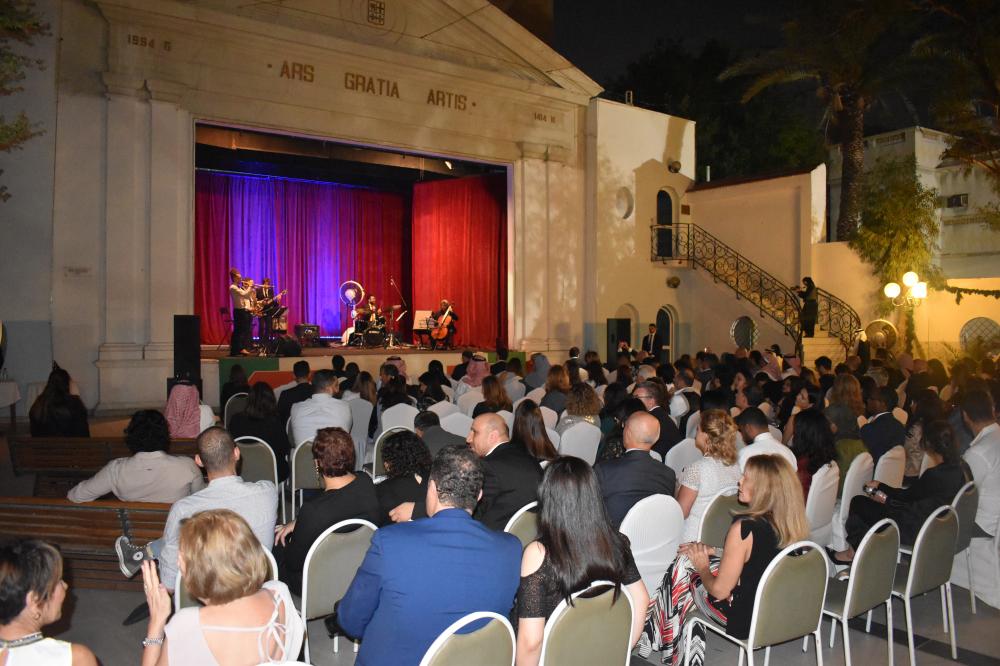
148, 476
321, 410
48, 651
983, 458
678, 403
241, 298
765, 444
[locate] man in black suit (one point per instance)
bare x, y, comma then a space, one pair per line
652, 343
636, 475
427, 425
883, 431
302, 390
512, 475
460, 369
651, 395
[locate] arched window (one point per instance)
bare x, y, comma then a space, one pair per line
664, 208
744, 332
981, 332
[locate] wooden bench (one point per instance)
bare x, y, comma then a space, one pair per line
85, 533
59, 463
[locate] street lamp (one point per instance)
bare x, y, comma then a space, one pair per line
916, 291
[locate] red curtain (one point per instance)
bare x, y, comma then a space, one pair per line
308, 237
460, 253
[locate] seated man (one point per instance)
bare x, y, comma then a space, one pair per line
427, 425
301, 391
636, 475
760, 442
883, 431
321, 410
419, 577
149, 475
651, 395
256, 503
983, 458
680, 404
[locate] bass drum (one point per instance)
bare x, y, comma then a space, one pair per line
374, 337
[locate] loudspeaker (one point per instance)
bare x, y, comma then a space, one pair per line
288, 346
618, 330
187, 348
308, 334
664, 242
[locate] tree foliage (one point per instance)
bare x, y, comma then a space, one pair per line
19, 26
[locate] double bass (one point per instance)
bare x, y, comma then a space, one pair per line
441, 331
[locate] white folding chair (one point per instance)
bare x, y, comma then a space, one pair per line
891, 466
694, 422
653, 526
444, 408
457, 424
536, 394
524, 523
682, 454
582, 441
467, 401
859, 473
250, 445
361, 414
448, 391
489, 645
237, 403
615, 628
508, 418
303, 474
822, 501
515, 389
516, 403
550, 417
554, 437
378, 468
399, 416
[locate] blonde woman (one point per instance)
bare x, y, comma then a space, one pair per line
702, 480
247, 618
725, 587
582, 406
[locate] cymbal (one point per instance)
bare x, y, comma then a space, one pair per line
393, 308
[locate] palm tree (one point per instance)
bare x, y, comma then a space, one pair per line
850, 49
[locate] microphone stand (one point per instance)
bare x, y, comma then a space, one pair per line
393, 341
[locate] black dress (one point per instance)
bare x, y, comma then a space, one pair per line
271, 430
393, 492
810, 310
538, 594
355, 500
765, 548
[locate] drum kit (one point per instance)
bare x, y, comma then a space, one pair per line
371, 327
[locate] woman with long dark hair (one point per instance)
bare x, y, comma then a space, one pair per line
529, 432
261, 420
813, 445
576, 545
925, 408
495, 398
58, 410
614, 395
810, 306
429, 391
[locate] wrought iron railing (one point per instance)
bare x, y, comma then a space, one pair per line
772, 297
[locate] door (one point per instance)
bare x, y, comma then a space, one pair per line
665, 329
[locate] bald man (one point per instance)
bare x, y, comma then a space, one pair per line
512, 475
636, 475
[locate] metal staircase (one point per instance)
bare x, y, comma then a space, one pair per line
691, 243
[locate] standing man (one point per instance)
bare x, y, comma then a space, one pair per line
651, 342
438, 317
241, 294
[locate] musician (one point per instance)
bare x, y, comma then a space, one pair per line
241, 293
265, 306
437, 316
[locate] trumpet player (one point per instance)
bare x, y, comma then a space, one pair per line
241, 293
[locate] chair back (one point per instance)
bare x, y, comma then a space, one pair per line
858, 474
378, 466
550, 416
237, 403
330, 565
554, 437
304, 475
536, 395
399, 416
581, 440
524, 523
874, 568
515, 389
492, 644
682, 454
444, 408
457, 424
653, 526
467, 401
361, 414
933, 552
508, 418
966, 504
790, 596
257, 460
448, 391
515, 403
822, 501
693, 423
718, 517
891, 466
596, 629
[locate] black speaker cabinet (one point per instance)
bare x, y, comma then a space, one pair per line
187, 348
307, 334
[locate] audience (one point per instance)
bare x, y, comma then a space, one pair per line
301, 391
539, 373
321, 410
58, 410
407, 462
149, 474
557, 387
775, 518
256, 502
427, 425
814, 446
419, 577
345, 495
576, 545
429, 391
237, 384
758, 438
613, 396
983, 458
636, 475
472, 380
883, 431
462, 367
925, 408
261, 420
613, 443
183, 411
651, 395
808, 397
582, 406
700, 481
530, 433
511, 473
495, 398
846, 405
32, 592
246, 618
684, 392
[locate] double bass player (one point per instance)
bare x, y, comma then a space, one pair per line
443, 330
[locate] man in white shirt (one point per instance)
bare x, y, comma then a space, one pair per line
322, 410
241, 294
983, 458
683, 383
149, 474
753, 428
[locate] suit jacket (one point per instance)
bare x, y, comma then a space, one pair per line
653, 347
436, 438
626, 480
669, 433
511, 481
291, 396
419, 577
882, 434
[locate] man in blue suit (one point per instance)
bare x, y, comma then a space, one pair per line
419, 577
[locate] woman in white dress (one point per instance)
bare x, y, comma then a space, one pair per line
702, 480
32, 592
